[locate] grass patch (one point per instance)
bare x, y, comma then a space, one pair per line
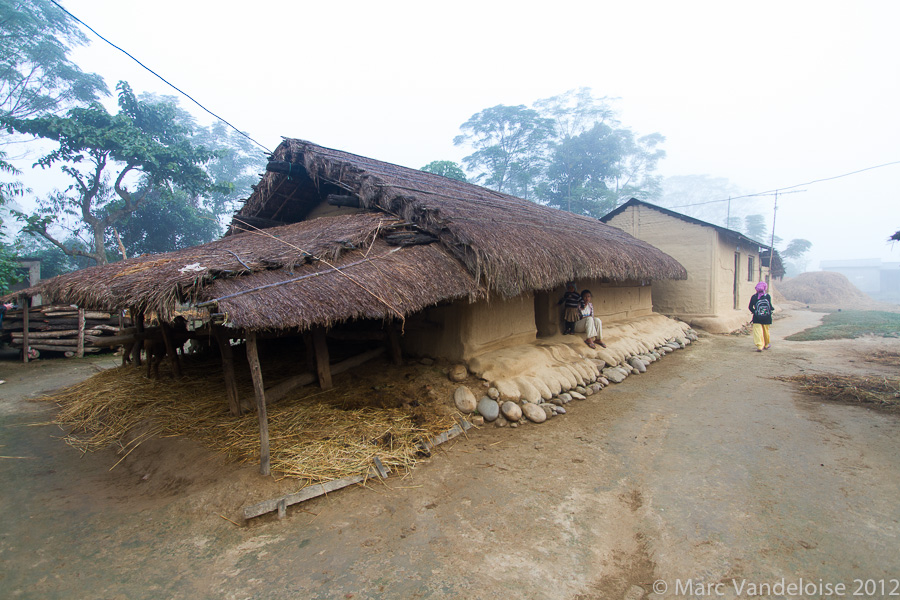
879, 392
849, 324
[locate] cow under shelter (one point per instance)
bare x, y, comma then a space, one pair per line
336, 259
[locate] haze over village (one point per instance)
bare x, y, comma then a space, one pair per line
747, 101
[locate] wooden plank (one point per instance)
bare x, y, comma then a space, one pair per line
223, 338
307, 493
36, 335
71, 348
314, 491
79, 352
323, 369
260, 393
382, 471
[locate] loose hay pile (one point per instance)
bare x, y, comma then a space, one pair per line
874, 390
824, 288
884, 357
313, 435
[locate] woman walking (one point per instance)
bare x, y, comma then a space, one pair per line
761, 308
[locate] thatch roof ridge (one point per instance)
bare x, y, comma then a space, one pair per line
509, 244
155, 282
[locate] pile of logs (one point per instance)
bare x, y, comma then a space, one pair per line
64, 329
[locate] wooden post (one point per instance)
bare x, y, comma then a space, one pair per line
137, 319
259, 391
79, 348
168, 339
393, 340
323, 368
25, 301
224, 340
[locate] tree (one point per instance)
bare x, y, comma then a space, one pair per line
102, 153
569, 151
234, 169
706, 198
597, 170
167, 220
755, 227
36, 75
510, 144
445, 168
796, 248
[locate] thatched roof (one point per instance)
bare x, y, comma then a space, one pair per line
472, 242
509, 244
313, 272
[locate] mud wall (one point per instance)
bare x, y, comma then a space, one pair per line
694, 246
612, 302
461, 330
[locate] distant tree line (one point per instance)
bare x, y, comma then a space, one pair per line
569, 152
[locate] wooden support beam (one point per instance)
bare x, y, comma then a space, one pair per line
288, 168
321, 349
25, 301
169, 340
79, 352
260, 392
342, 200
223, 338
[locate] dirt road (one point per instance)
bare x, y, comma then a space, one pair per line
702, 471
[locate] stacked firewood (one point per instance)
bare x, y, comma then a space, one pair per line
61, 329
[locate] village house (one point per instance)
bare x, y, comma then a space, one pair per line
723, 266
354, 257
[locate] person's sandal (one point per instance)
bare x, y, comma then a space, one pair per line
602, 345
590, 343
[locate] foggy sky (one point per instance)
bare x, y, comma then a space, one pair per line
766, 94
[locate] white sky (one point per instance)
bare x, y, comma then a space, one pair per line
766, 94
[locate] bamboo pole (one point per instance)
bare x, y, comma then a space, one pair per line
260, 393
79, 351
224, 340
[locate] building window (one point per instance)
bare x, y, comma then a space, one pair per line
750, 270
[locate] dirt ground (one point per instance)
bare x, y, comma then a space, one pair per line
704, 470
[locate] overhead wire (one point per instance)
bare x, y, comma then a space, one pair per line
161, 78
790, 187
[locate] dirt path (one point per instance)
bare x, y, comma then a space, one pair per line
704, 468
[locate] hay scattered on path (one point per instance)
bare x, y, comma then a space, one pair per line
884, 357
872, 390
313, 435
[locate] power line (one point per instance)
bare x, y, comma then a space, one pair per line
790, 187
163, 79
